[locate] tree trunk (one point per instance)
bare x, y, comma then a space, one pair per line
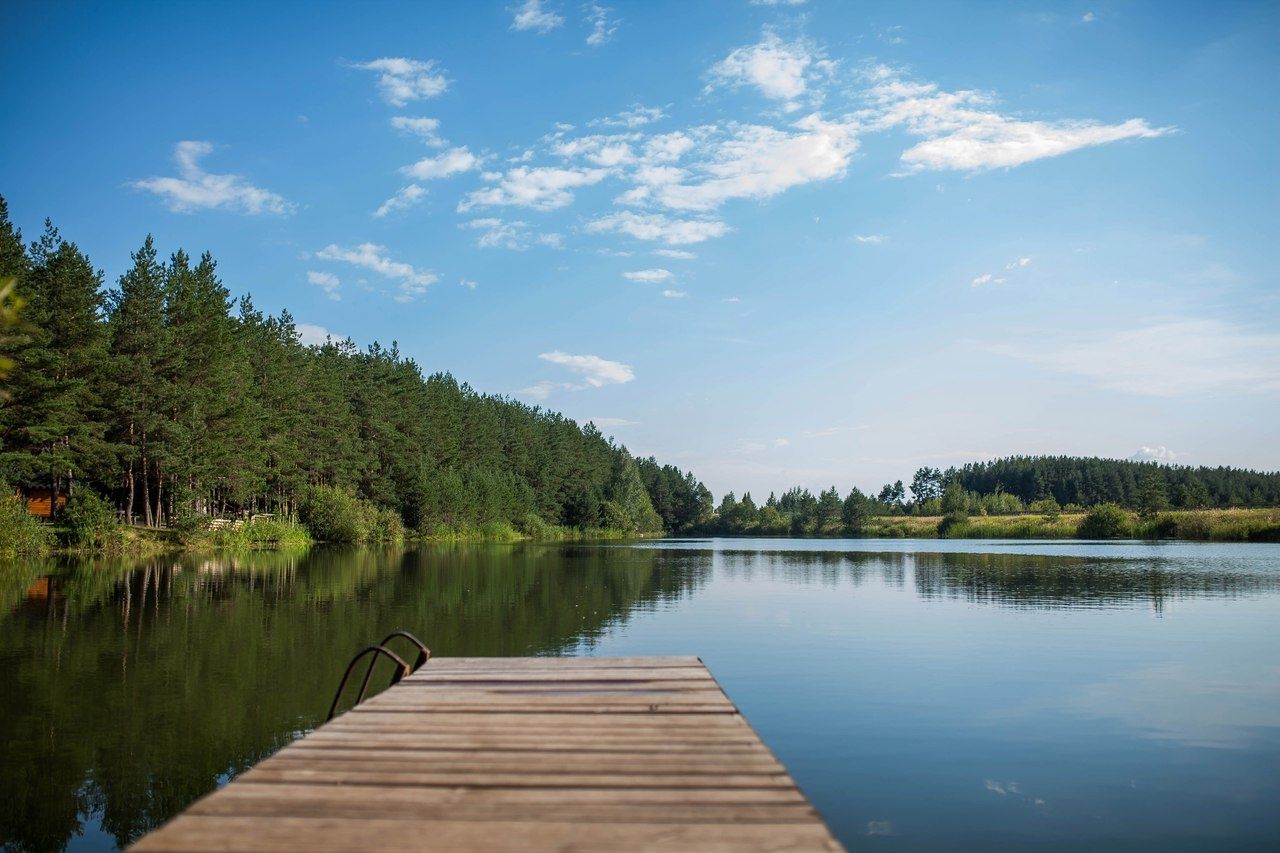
146, 487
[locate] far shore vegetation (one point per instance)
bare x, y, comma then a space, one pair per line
160, 414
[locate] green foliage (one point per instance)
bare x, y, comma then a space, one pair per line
178, 408
1106, 521
253, 534
333, 515
1048, 507
21, 534
90, 520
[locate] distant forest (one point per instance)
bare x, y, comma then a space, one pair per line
1017, 484
175, 402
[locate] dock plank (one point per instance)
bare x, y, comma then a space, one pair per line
518, 754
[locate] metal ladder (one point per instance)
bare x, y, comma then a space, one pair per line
401, 670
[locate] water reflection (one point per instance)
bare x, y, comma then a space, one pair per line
923, 698
1018, 580
130, 689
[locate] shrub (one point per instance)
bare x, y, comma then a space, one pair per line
1048, 507
332, 515
1161, 527
21, 533
535, 528
91, 521
1106, 521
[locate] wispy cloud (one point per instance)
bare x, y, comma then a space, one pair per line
540, 188
532, 15
636, 116
602, 26
1167, 359
872, 239
404, 198
963, 131
779, 69
594, 370
512, 234
195, 189
402, 80
989, 278
371, 256
328, 282
312, 335
1159, 453
656, 226
609, 423
423, 128
675, 254
451, 162
651, 276
674, 294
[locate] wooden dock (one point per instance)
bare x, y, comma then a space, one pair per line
518, 754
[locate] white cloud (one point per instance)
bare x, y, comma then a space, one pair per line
402, 80
677, 254
530, 15
963, 131
194, 188
513, 234
732, 300
595, 371
423, 128
779, 69
326, 281
780, 442
443, 165
371, 256
468, 284
755, 161
1168, 359
655, 226
1088, 17
987, 278
873, 239
1018, 264
312, 335
674, 294
607, 423
602, 27
1159, 453
540, 187
405, 197
635, 116
653, 276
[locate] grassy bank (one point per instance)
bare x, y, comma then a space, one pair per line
1210, 525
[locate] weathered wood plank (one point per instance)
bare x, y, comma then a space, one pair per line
518, 753
205, 833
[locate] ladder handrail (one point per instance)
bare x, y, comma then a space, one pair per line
402, 669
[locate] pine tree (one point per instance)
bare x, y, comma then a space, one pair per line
140, 358
52, 425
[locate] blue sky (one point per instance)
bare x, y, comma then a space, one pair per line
776, 243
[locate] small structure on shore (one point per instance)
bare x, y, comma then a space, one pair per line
42, 501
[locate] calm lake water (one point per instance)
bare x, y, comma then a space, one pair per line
925, 694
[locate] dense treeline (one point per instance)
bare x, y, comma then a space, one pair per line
1018, 484
174, 403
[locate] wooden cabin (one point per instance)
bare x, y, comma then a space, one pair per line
40, 500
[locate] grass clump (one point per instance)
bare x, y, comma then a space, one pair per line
21, 533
